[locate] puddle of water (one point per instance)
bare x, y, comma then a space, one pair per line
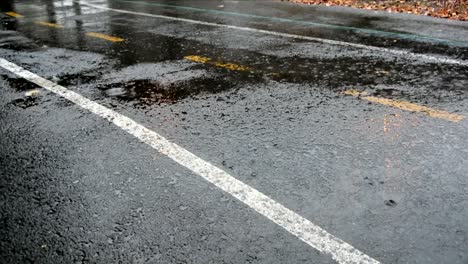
25, 102
19, 84
151, 91
13, 40
77, 79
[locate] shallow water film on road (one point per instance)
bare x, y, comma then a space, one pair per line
231, 132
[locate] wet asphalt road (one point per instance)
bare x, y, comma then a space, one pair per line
269, 110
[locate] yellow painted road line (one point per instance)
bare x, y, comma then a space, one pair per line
105, 37
13, 14
47, 24
407, 106
229, 66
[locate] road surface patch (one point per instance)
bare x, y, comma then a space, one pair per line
295, 224
407, 106
47, 24
402, 53
13, 14
310, 23
225, 65
104, 36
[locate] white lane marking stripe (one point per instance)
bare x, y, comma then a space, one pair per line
295, 224
430, 58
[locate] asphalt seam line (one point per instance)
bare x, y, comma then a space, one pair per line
407, 106
402, 53
295, 224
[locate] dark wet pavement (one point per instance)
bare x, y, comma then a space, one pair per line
267, 109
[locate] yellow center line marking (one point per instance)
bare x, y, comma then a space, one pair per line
407, 106
105, 37
196, 58
13, 14
47, 24
229, 66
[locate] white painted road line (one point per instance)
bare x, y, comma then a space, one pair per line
295, 224
401, 53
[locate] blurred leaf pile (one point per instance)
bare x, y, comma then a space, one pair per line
452, 9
